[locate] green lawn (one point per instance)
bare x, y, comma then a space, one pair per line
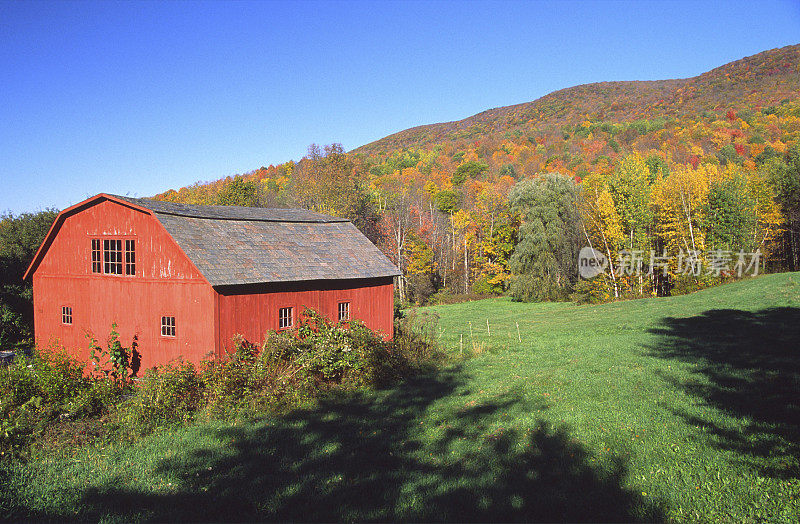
683, 408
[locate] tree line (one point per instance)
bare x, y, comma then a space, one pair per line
453, 216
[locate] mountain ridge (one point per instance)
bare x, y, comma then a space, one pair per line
741, 82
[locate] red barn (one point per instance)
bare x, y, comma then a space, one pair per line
182, 280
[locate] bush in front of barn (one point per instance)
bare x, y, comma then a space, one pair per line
164, 396
47, 386
416, 340
290, 369
293, 368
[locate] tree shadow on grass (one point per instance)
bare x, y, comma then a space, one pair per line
749, 367
372, 458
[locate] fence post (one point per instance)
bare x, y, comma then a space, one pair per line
471, 338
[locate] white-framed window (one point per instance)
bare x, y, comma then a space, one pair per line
344, 311
97, 256
112, 256
130, 257
66, 315
167, 326
108, 258
285, 317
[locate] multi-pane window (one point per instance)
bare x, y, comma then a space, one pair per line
285, 319
97, 256
112, 256
167, 326
344, 311
66, 315
107, 256
130, 257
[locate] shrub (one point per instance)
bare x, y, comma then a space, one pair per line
595, 291
420, 287
225, 381
113, 361
49, 375
416, 342
446, 296
98, 397
685, 284
292, 368
289, 370
488, 285
345, 353
36, 389
277, 381
165, 396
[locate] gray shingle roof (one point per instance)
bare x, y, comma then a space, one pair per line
259, 214
241, 245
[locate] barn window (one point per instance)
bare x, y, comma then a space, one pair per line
97, 257
66, 315
130, 257
167, 326
344, 311
112, 256
107, 257
285, 317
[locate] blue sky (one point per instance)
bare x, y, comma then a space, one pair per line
137, 98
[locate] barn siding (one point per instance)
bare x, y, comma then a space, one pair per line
166, 284
252, 311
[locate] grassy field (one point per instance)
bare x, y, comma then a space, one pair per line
683, 408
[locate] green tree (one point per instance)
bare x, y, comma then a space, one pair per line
471, 169
447, 201
508, 170
545, 260
239, 192
784, 177
657, 166
20, 237
729, 214
728, 155
629, 186
766, 155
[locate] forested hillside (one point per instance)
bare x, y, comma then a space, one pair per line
699, 164
758, 81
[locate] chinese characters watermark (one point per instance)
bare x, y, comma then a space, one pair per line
719, 262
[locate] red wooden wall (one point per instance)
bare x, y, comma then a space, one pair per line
166, 284
252, 311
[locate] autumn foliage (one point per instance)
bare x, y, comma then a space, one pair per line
659, 166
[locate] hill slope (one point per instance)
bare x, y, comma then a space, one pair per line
763, 79
742, 119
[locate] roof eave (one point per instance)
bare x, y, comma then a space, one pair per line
259, 282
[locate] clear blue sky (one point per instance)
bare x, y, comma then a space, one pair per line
136, 98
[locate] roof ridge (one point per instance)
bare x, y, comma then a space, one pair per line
241, 213
256, 219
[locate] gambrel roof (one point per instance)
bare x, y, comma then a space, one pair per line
232, 245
